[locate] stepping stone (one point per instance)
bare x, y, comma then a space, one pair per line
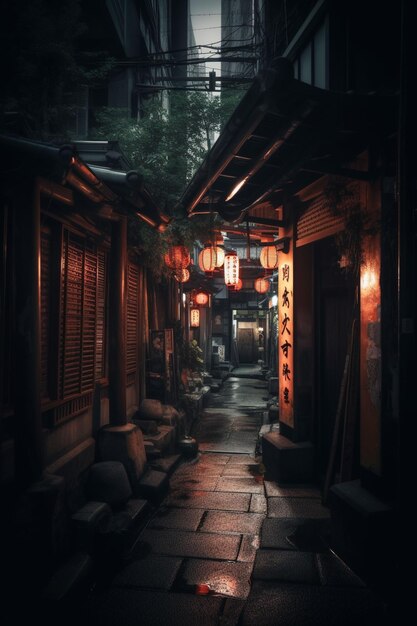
285, 566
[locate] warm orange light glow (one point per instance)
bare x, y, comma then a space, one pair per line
219, 255
194, 318
182, 276
369, 279
236, 188
269, 257
207, 259
231, 269
261, 285
177, 257
201, 298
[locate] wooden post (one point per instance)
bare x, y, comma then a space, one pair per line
117, 324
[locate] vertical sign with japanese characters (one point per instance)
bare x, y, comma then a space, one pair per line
286, 341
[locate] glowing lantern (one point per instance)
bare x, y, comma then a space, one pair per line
207, 258
238, 286
201, 298
194, 318
269, 257
261, 285
219, 255
177, 257
231, 269
182, 275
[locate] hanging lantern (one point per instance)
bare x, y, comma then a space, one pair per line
231, 269
182, 276
269, 257
239, 285
261, 285
219, 254
194, 318
200, 297
207, 258
177, 257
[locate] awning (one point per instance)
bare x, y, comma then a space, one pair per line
283, 136
111, 190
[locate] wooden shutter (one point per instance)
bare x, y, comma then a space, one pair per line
132, 318
88, 333
101, 314
78, 316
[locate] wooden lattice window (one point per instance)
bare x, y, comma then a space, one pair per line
132, 318
77, 316
101, 304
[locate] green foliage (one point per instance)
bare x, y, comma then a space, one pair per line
192, 356
167, 145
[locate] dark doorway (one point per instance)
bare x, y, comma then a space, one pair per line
335, 290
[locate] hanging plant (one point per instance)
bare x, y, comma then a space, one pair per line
343, 200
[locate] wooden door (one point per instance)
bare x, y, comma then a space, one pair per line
246, 345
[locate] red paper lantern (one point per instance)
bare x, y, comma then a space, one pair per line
207, 259
201, 298
231, 269
177, 257
261, 285
194, 318
219, 255
269, 257
182, 276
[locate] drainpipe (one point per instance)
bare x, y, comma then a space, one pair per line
117, 323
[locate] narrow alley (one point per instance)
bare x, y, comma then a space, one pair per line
227, 546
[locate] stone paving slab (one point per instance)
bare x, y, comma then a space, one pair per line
270, 604
232, 610
153, 571
193, 483
302, 491
231, 446
130, 607
228, 522
248, 548
301, 532
225, 578
188, 544
242, 470
296, 507
333, 571
240, 485
285, 566
211, 500
258, 504
241, 459
182, 519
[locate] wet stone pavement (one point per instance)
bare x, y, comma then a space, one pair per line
226, 547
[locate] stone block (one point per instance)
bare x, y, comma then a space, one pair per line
108, 482
148, 427
153, 486
361, 524
91, 518
150, 409
286, 461
123, 444
273, 385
